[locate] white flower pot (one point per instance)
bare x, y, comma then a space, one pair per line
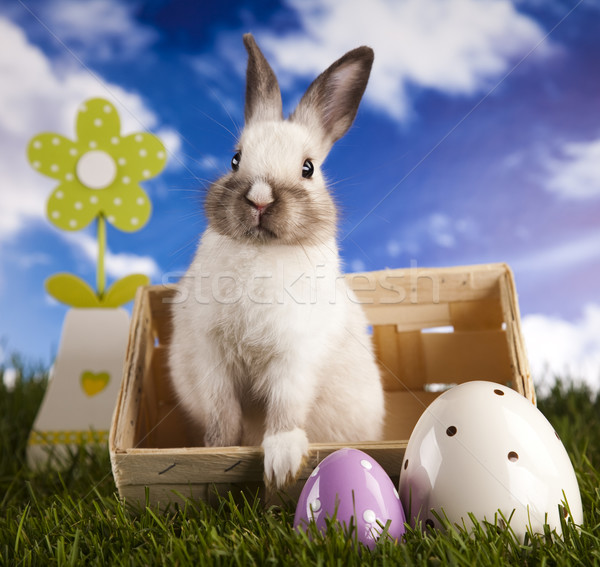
84, 383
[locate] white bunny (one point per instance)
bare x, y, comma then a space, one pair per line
269, 344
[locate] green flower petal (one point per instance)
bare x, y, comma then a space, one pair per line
143, 156
127, 208
53, 155
71, 290
98, 125
72, 206
124, 290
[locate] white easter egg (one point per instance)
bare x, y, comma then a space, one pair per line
482, 447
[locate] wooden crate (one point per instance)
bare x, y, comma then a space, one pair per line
432, 328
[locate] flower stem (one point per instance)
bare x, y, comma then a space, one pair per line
100, 274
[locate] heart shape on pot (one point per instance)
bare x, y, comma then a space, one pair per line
93, 383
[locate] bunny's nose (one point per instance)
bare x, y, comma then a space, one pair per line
260, 196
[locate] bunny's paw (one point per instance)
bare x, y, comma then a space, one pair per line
285, 452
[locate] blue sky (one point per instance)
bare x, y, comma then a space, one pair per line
478, 141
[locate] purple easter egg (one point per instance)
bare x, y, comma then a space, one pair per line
351, 484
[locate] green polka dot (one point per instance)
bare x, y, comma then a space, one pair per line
67, 208
49, 157
98, 125
142, 154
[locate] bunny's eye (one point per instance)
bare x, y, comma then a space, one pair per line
308, 169
235, 161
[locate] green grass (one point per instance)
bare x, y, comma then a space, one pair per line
74, 517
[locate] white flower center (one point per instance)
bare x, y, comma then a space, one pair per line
96, 169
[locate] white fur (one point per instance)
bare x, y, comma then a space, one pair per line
260, 193
280, 149
269, 339
284, 453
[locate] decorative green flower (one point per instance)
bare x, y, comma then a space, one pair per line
99, 177
99, 173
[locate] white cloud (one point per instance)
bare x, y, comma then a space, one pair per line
576, 175
562, 256
33, 259
567, 349
209, 162
9, 377
357, 265
394, 248
460, 47
172, 142
438, 229
116, 265
441, 230
97, 29
36, 97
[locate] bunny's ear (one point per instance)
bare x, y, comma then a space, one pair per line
332, 100
263, 98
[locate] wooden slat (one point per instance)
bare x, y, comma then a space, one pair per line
403, 410
427, 285
523, 382
148, 393
386, 352
173, 428
408, 317
137, 363
400, 358
161, 298
411, 371
461, 357
484, 314
230, 465
160, 367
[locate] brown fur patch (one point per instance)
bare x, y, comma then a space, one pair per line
263, 97
296, 215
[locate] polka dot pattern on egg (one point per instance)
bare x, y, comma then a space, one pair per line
503, 450
353, 487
